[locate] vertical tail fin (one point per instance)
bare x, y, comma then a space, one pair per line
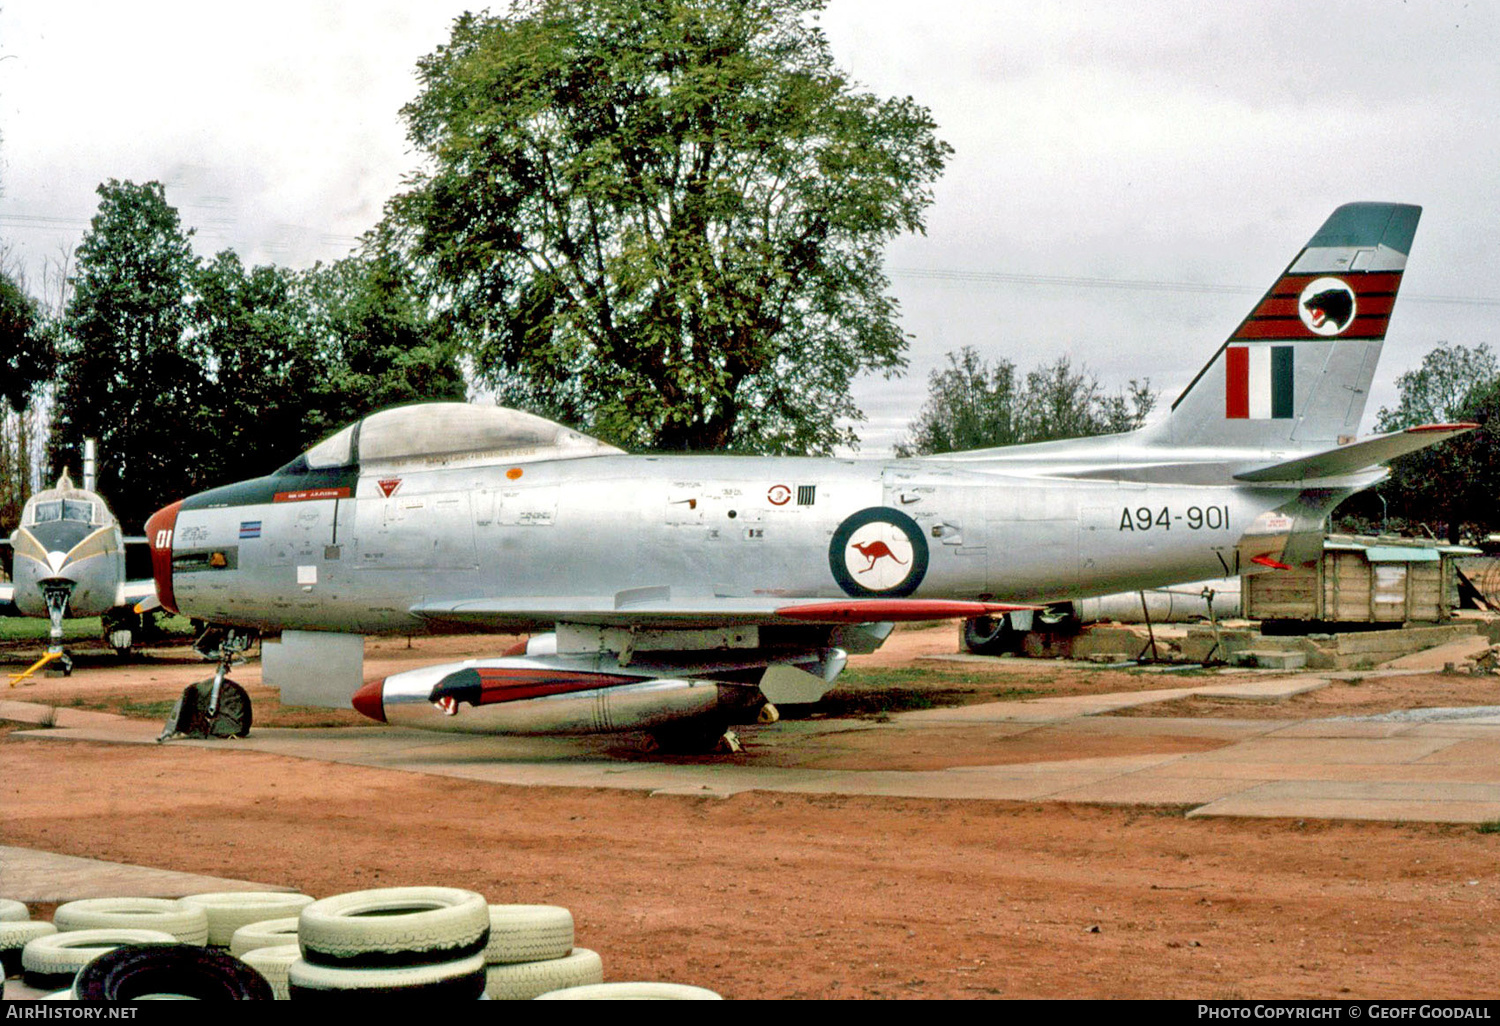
1296, 373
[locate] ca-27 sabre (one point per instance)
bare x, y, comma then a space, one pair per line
685, 593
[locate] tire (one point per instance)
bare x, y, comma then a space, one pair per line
632, 992
13, 911
273, 964
272, 933
394, 926
526, 980
989, 635
233, 718
51, 962
229, 910
14, 937
528, 933
137, 971
460, 980
184, 922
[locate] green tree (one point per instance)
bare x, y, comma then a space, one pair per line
1450, 488
129, 374
973, 405
27, 342
375, 340
663, 220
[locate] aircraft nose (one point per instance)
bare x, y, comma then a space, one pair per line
159, 536
369, 700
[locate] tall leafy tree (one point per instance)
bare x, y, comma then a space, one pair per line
129, 374
972, 404
663, 220
374, 339
27, 344
1450, 488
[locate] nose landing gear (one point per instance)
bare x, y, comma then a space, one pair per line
217, 707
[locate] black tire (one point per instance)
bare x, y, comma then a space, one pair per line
135, 970
990, 635
233, 718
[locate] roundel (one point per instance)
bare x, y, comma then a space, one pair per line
878, 552
1326, 306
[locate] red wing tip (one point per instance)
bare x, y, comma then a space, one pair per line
1268, 561
1465, 426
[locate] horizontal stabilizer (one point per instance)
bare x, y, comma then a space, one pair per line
1350, 459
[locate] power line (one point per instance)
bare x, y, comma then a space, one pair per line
995, 278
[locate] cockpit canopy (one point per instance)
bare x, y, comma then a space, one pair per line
74, 510
447, 434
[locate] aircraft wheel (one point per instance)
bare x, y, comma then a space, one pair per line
989, 635
169, 970
526, 980
638, 991
528, 933
233, 718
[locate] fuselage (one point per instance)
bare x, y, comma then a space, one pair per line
67, 541
354, 551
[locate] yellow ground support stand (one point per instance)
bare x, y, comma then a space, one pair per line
16, 678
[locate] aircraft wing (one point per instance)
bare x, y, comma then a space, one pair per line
652, 607
1350, 459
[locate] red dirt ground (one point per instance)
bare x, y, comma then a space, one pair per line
764, 895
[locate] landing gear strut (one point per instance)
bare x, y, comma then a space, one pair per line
56, 595
217, 707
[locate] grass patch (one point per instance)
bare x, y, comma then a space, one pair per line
89, 628
1492, 827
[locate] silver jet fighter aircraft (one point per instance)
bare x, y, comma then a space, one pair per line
678, 592
68, 560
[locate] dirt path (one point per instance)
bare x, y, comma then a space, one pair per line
765, 895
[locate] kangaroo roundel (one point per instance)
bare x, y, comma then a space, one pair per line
878, 552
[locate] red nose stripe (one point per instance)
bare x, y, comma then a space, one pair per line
159, 535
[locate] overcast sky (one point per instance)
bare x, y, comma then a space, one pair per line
1176, 154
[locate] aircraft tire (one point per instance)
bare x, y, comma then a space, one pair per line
526, 980
50, 962
528, 933
394, 926
183, 922
137, 971
230, 910
14, 936
460, 980
633, 991
989, 635
234, 716
268, 933
12, 911
274, 964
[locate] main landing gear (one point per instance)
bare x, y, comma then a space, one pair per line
217, 707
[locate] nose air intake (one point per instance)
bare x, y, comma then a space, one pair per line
159, 536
